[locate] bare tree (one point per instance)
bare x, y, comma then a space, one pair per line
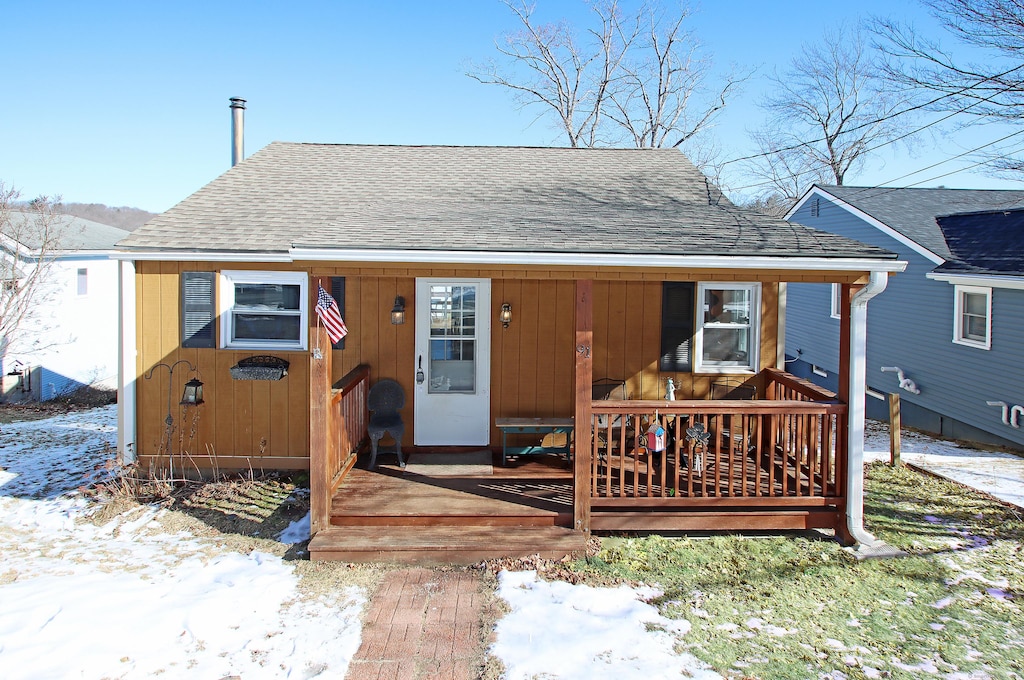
826, 113
991, 88
30, 235
639, 79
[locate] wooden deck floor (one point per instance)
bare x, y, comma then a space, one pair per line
392, 515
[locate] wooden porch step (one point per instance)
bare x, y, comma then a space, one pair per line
442, 545
450, 519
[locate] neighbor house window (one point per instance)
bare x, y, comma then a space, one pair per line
83, 281
972, 317
263, 310
728, 320
837, 301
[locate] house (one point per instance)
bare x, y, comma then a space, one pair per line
494, 282
68, 336
948, 335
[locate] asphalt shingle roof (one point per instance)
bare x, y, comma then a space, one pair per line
912, 211
435, 198
984, 242
75, 233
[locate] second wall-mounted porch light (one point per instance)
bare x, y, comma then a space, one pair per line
398, 311
506, 314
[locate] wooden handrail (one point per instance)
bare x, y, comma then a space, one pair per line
797, 386
351, 379
687, 406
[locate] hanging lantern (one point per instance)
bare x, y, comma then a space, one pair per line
193, 394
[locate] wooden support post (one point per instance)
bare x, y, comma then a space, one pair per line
894, 429
843, 429
319, 427
584, 372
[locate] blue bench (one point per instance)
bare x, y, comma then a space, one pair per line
543, 426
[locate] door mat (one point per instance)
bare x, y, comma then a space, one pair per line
450, 464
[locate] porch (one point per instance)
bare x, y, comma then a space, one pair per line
774, 463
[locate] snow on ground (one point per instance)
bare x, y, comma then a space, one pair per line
129, 600
558, 630
998, 474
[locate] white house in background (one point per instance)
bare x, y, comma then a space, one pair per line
70, 337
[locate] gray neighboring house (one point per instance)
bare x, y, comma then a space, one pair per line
948, 333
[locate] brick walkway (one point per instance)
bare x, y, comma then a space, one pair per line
422, 624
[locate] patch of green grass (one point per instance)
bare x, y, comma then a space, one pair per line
802, 607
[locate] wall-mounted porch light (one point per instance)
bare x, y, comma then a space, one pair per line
193, 394
398, 311
506, 314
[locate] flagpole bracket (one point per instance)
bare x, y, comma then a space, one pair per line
261, 367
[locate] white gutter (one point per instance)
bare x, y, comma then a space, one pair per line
561, 258
855, 415
571, 259
126, 354
201, 256
984, 280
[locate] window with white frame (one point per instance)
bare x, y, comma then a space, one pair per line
972, 316
83, 282
728, 321
837, 301
263, 310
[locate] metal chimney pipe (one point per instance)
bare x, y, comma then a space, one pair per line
237, 130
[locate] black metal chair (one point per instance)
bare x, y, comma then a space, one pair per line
385, 400
728, 391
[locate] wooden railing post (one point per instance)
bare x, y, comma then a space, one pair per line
319, 427
894, 429
584, 396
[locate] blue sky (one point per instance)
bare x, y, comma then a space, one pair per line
127, 103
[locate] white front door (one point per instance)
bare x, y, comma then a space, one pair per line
452, 404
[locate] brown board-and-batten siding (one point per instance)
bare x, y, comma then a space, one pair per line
241, 420
266, 423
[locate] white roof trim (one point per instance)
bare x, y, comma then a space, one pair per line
596, 259
984, 280
881, 226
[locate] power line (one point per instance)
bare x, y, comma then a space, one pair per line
915, 172
895, 115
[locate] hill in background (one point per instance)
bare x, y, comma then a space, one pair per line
125, 218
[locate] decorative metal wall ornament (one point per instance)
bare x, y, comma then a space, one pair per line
260, 368
698, 437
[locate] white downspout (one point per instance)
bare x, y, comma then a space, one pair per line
127, 366
855, 436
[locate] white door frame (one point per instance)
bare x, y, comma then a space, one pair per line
452, 418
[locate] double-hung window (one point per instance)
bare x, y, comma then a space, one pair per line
728, 320
972, 317
263, 310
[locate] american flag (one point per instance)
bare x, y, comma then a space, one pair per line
327, 310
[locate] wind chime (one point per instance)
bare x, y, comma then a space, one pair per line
698, 438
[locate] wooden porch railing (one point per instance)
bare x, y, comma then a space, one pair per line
780, 386
760, 453
347, 421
